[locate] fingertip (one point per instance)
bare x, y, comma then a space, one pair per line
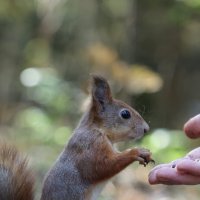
152, 178
152, 182
192, 127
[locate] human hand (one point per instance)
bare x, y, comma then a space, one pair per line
182, 171
192, 127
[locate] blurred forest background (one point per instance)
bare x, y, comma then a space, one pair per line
148, 50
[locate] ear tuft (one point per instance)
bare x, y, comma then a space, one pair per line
99, 81
100, 90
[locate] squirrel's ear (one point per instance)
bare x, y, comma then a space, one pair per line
101, 93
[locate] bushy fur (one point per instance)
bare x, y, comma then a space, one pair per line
16, 179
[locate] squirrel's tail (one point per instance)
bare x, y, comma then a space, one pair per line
16, 180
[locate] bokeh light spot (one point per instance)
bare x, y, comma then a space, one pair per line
160, 139
30, 77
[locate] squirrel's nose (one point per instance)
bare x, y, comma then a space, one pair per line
146, 127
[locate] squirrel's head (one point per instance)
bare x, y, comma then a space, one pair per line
115, 118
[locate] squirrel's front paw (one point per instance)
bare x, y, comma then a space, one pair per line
143, 156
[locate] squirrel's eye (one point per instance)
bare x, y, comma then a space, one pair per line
125, 114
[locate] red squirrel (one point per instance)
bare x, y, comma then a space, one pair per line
89, 159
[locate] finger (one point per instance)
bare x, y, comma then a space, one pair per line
194, 154
189, 167
153, 179
159, 176
192, 127
169, 176
172, 177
